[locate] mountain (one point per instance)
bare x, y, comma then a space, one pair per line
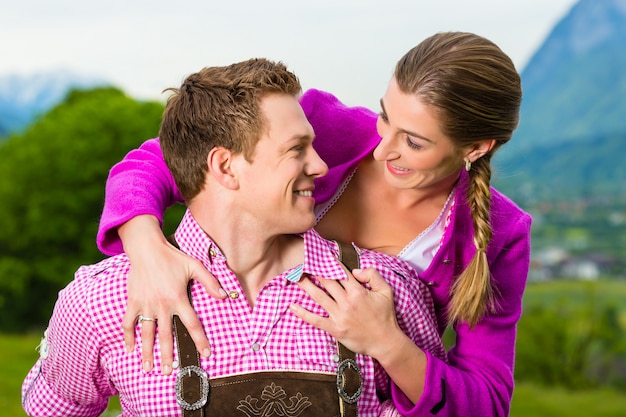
575, 84
24, 97
572, 131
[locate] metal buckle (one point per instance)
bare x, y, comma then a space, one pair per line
204, 387
343, 366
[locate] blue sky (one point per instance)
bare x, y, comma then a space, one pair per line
344, 46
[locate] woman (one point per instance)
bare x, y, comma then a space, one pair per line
412, 182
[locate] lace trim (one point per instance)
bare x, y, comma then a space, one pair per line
325, 207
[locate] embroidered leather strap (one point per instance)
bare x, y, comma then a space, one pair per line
192, 382
349, 378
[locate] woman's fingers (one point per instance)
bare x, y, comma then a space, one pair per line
211, 285
148, 328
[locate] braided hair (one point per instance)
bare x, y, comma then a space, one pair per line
477, 93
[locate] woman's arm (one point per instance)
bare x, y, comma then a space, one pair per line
478, 378
138, 191
139, 184
366, 322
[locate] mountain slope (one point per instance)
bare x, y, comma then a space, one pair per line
572, 132
575, 84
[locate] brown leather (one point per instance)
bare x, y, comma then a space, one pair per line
349, 378
191, 391
303, 394
289, 393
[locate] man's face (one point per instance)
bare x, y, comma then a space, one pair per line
278, 183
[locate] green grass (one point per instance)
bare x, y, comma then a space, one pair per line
535, 401
578, 293
17, 356
605, 291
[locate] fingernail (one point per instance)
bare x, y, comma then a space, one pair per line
129, 349
294, 308
206, 352
356, 270
147, 366
167, 369
222, 292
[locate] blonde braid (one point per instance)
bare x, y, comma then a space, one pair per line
472, 293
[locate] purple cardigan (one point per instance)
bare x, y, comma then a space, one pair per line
478, 380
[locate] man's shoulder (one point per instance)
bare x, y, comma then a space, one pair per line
382, 261
104, 269
101, 285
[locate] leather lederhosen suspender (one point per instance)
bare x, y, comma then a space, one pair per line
194, 389
349, 379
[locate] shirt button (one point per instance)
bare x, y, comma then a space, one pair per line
256, 347
335, 358
212, 252
233, 295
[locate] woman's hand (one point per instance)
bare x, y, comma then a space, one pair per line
157, 289
364, 320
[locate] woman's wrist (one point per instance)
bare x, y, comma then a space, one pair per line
139, 233
405, 363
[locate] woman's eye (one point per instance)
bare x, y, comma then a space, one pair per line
412, 144
383, 117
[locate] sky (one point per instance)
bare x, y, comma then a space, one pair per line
346, 47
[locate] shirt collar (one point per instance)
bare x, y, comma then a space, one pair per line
195, 242
320, 255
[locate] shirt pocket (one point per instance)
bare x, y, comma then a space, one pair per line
316, 348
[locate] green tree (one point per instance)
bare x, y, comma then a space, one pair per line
51, 192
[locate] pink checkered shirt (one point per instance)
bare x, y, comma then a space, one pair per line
85, 362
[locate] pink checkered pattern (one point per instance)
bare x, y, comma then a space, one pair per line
87, 362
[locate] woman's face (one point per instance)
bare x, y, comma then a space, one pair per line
415, 151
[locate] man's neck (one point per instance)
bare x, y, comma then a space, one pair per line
253, 254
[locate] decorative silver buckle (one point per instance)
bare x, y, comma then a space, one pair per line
204, 387
343, 366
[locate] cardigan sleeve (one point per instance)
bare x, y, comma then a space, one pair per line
139, 184
478, 380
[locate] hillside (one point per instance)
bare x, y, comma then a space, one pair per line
575, 84
572, 131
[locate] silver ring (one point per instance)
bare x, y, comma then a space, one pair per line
142, 319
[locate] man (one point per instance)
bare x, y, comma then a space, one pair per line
240, 149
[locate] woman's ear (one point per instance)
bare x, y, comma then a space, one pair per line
478, 149
220, 164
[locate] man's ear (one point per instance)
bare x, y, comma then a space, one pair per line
220, 164
478, 149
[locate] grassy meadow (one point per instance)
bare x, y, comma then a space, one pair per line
18, 353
